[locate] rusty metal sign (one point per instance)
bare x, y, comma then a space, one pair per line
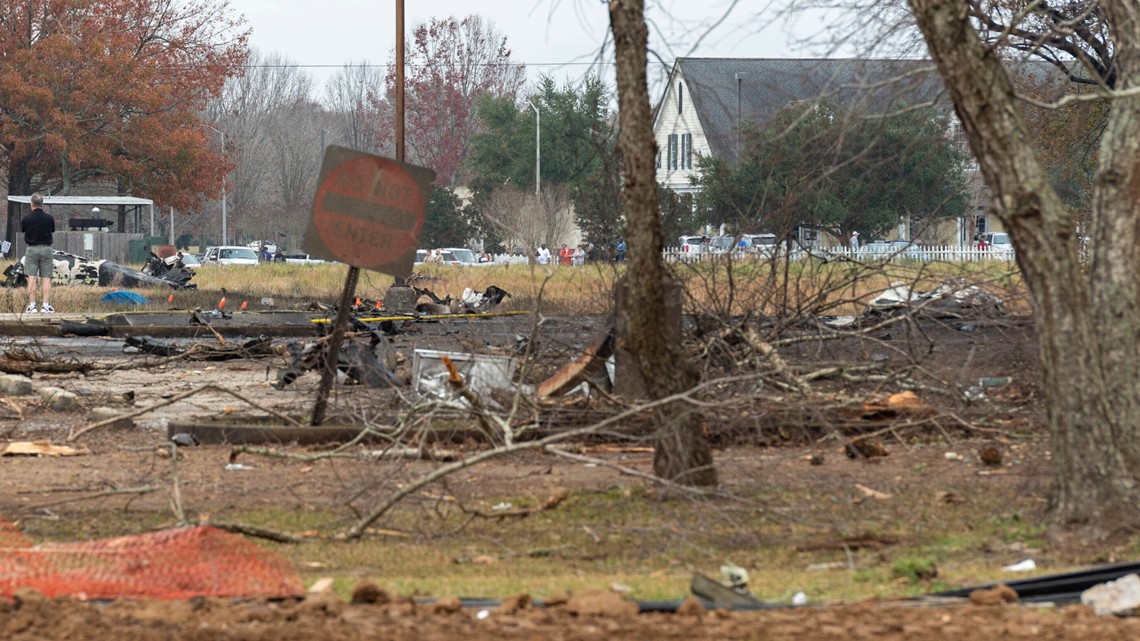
368, 211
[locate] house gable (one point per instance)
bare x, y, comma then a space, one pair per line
679, 134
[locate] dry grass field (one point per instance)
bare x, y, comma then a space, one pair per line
753, 288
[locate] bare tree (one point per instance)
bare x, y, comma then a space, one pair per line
250, 111
681, 453
531, 220
295, 157
355, 97
1087, 327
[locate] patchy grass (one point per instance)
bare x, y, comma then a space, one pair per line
748, 287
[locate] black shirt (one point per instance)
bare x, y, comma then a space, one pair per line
37, 227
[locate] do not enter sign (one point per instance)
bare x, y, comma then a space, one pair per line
368, 211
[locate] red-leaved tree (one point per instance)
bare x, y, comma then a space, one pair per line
111, 91
449, 66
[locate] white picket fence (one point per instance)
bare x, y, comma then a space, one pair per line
918, 254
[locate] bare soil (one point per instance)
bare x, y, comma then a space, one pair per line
768, 441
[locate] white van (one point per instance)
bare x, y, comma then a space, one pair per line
230, 255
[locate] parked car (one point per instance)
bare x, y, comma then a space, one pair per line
230, 255
302, 259
269, 246
721, 244
888, 247
997, 243
764, 245
692, 244
460, 256
189, 261
757, 241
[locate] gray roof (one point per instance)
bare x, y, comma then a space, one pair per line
767, 85
97, 201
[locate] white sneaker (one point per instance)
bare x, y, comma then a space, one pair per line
30, 309
47, 309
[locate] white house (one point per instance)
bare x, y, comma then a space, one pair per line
708, 100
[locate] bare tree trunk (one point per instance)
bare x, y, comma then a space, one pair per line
1088, 330
681, 453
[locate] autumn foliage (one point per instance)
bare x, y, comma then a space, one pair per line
450, 66
111, 90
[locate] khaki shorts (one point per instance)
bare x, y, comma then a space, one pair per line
37, 261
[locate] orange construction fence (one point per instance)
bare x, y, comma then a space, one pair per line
172, 564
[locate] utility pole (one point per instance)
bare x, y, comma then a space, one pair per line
537, 149
223, 135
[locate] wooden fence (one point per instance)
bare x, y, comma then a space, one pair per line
103, 245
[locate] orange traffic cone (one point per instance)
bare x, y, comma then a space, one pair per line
170, 298
222, 303
244, 305
358, 301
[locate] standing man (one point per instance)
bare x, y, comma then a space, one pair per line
38, 227
855, 242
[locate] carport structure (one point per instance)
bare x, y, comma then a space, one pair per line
84, 234
132, 205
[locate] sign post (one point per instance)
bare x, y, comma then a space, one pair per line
368, 213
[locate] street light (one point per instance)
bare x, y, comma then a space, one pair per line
738, 75
223, 135
537, 149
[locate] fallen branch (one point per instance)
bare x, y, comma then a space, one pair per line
259, 532
145, 489
410, 453
174, 399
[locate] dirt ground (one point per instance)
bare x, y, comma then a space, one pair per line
977, 386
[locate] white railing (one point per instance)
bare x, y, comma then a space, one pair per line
923, 254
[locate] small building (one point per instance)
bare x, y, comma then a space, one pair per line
82, 232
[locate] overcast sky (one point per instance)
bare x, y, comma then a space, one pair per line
557, 37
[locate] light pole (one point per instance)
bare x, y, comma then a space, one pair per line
738, 75
223, 135
537, 149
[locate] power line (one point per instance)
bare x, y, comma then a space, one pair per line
385, 65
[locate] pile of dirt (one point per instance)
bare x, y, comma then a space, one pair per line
32, 617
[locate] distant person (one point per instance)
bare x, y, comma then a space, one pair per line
566, 254
855, 241
543, 257
620, 255
579, 256
38, 228
279, 256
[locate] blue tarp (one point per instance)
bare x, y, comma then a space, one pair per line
123, 297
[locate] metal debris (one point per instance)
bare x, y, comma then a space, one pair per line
69, 269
